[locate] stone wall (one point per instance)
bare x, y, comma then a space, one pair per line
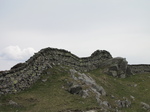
141, 68
23, 75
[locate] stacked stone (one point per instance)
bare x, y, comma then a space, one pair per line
142, 68
23, 75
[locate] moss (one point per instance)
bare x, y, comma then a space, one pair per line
15, 81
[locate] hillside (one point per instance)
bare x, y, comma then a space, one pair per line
55, 80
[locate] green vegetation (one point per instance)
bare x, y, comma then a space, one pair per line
137, 86
51, 96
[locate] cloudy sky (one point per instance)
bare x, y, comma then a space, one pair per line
121, 27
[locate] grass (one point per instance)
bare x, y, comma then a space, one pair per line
50, 96
137, 85
47, 96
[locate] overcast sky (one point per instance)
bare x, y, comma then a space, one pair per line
121, 27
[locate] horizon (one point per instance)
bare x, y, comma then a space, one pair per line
72, 54
81, 27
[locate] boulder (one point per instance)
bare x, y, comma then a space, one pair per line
116, 67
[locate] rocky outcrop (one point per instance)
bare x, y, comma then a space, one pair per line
23, 75
116, 67
84, 85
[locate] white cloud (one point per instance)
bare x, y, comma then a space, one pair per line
16, 53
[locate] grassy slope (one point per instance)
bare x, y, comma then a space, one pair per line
50, 96
137, 86
47, 96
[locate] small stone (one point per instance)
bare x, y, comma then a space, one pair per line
106, 103
91, 111
113, 73
44, 80
123, 103
112, 96
135, 85
132, 97
12, 103
122, 76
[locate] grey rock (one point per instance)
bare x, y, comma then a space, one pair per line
112, 96
132, 97
141, 68
123, 103
44, 80
12, 103
105, 103
113, 73
135, 85
123, 76
85, 86
91, 111
99, 101
85, 93
100, 89
117, 67
145, 106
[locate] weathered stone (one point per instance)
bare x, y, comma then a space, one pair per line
113, 73
132, 97
141, 68
85, 86
91, 111
145, 106
123, 103
105, 103
123, 76
85, 93
44, 80
12, 103
117, 67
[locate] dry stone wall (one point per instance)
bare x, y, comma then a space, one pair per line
141, 68
23, 75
